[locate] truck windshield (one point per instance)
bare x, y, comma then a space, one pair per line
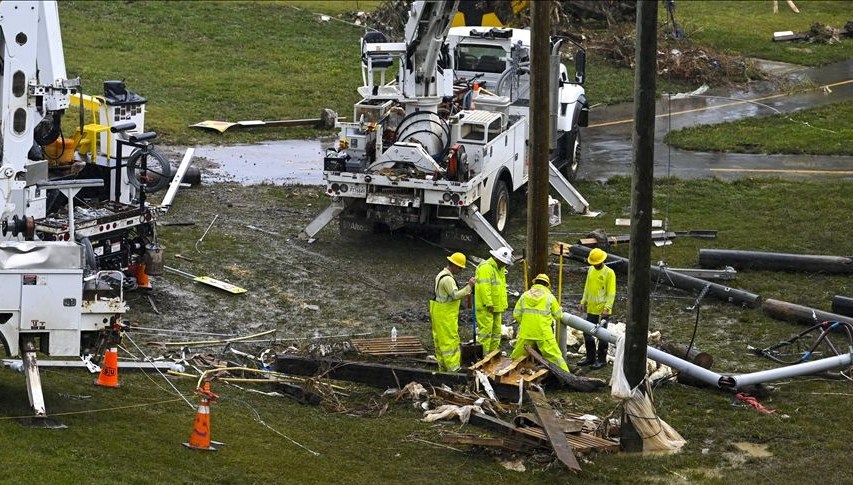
480, 58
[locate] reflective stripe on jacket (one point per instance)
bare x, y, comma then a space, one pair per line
490, 288
446, 289
534, 313
599, 292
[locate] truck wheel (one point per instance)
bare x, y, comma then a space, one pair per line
570, 151
499, 211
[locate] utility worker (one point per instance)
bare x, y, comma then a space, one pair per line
490, 298
444, 313
599, 293
535, 311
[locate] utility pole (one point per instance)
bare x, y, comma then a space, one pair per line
642, 187
540, 127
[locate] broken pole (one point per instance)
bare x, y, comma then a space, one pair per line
642, 189
379, 375
757, 260
575, 383
782, 310
677, 280
555, 434
842, 305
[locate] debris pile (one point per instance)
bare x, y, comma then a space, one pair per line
677, 59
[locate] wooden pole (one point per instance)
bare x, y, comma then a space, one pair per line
540, 126
642, 185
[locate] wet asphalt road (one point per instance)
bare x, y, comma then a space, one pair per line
607, 147
607, 141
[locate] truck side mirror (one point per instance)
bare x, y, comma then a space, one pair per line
580, 66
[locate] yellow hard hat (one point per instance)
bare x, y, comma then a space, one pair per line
543, 278
458, 259
596, 257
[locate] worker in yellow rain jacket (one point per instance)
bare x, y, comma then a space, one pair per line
535, 311
490, 298
599, 294
444, 313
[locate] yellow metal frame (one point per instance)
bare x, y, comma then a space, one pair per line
87, 140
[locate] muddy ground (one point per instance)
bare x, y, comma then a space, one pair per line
335, 286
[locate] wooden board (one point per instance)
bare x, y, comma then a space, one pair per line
405, 345
556, 437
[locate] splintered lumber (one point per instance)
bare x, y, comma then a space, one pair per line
581, 442
842, 305
556, 436
712, 258
782, 310
507, 371
528, 436
668, 277
567, 424
506, 443
405, 345
577, 383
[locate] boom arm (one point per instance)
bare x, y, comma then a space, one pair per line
425, 33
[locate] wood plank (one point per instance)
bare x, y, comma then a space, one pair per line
503, 443
500, 426
556, 437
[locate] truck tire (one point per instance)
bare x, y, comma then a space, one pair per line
570, 154
499, 211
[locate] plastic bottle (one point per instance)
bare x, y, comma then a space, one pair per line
393, 335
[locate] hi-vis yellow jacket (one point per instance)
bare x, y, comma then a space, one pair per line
600, 290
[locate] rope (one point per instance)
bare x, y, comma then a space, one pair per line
89, 411
148, 359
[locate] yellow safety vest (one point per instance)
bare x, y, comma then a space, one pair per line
599, 292
490, 288
534, 312
444, 312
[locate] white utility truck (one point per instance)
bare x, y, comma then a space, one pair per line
446, 139
72, 206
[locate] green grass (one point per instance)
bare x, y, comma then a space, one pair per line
234, 61
826, 130
746, 28
228, 61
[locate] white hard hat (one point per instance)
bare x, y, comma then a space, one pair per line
504, 255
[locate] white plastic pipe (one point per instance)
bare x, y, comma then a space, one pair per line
712, 378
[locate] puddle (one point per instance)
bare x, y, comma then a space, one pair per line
276, 162
753, 450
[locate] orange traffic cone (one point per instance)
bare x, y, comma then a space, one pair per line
109, 371
200, 435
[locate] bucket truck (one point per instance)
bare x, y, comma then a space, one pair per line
445, 140
72, 209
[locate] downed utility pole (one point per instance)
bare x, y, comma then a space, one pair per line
842, 305
677, 280
713, 258
782, 310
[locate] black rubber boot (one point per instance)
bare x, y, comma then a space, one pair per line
589, 344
